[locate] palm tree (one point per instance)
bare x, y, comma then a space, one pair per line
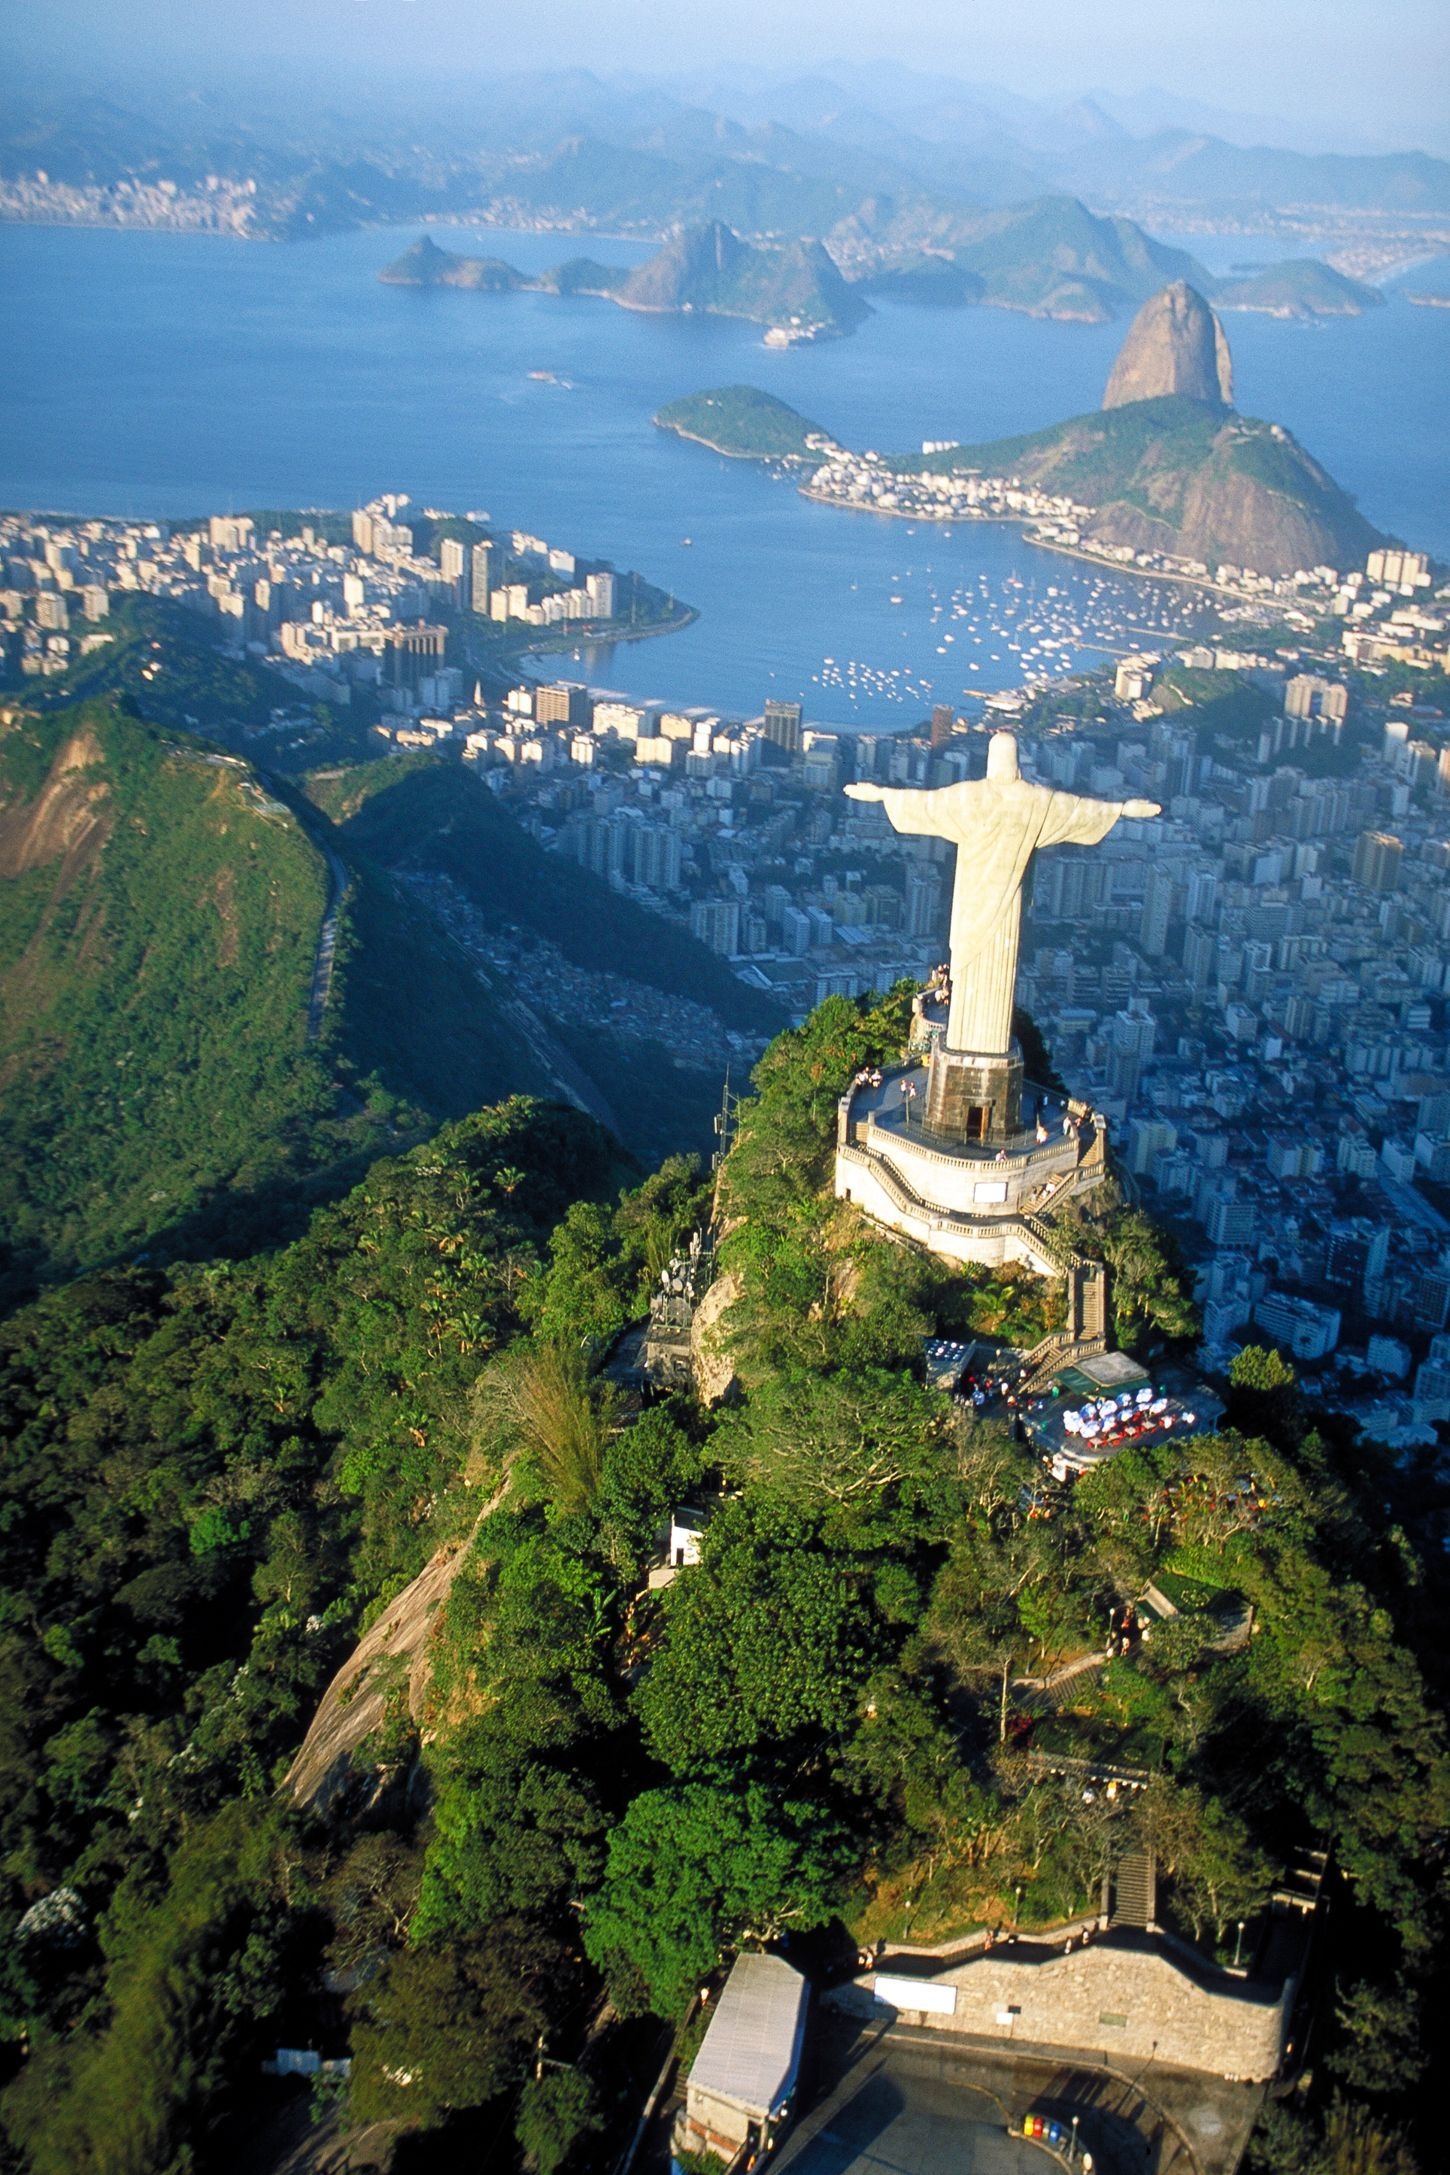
537, 1404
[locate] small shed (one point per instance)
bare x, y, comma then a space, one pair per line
680, 1544
742, 2086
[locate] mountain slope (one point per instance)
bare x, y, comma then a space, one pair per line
1195, 480
162, 1086
160, 923
436, 818
1049, 256
161, 915
1054, 258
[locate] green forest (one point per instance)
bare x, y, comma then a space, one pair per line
220, 1472
178, 1083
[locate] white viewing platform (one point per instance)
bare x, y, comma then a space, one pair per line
966, 1200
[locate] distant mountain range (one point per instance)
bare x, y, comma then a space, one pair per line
569, 150
1178, 168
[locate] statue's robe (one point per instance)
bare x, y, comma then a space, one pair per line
996, 825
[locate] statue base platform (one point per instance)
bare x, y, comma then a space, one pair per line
968, 1199
974, 1098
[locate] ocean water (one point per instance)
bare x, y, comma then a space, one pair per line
171, 374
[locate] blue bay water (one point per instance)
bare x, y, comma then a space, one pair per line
170, 374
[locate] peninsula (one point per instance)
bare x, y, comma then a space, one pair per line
1167, 467
1299, 287
746, 424
795, 290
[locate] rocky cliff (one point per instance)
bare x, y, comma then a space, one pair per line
1175, 346
710, 268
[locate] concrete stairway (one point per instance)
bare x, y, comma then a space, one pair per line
1135, 1890
1087, 1312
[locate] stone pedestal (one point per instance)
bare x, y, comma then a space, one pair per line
972, 1098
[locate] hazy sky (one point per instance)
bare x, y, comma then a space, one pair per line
1382, 66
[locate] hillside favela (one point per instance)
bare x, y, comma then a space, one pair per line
724, 1090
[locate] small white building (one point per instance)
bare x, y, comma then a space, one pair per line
679, 1545
742, 2085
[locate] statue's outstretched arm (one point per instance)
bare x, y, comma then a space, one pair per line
909, 807
1073, 819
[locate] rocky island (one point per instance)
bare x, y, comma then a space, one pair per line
426, 265
1166, 466
794, 290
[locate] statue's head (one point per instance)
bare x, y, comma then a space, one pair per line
1002, 757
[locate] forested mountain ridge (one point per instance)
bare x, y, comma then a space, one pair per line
210, 1473
221, 994
218, 1473
176, 1073
161, 919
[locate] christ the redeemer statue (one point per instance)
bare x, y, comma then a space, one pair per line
996, 823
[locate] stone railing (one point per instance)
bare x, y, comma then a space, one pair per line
911, 1204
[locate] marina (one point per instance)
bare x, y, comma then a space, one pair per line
1018, 630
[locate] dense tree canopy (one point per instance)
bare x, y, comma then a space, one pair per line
587, 1789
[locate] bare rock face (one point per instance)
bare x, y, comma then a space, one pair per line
1175, 344
715, 1377
392, 1657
